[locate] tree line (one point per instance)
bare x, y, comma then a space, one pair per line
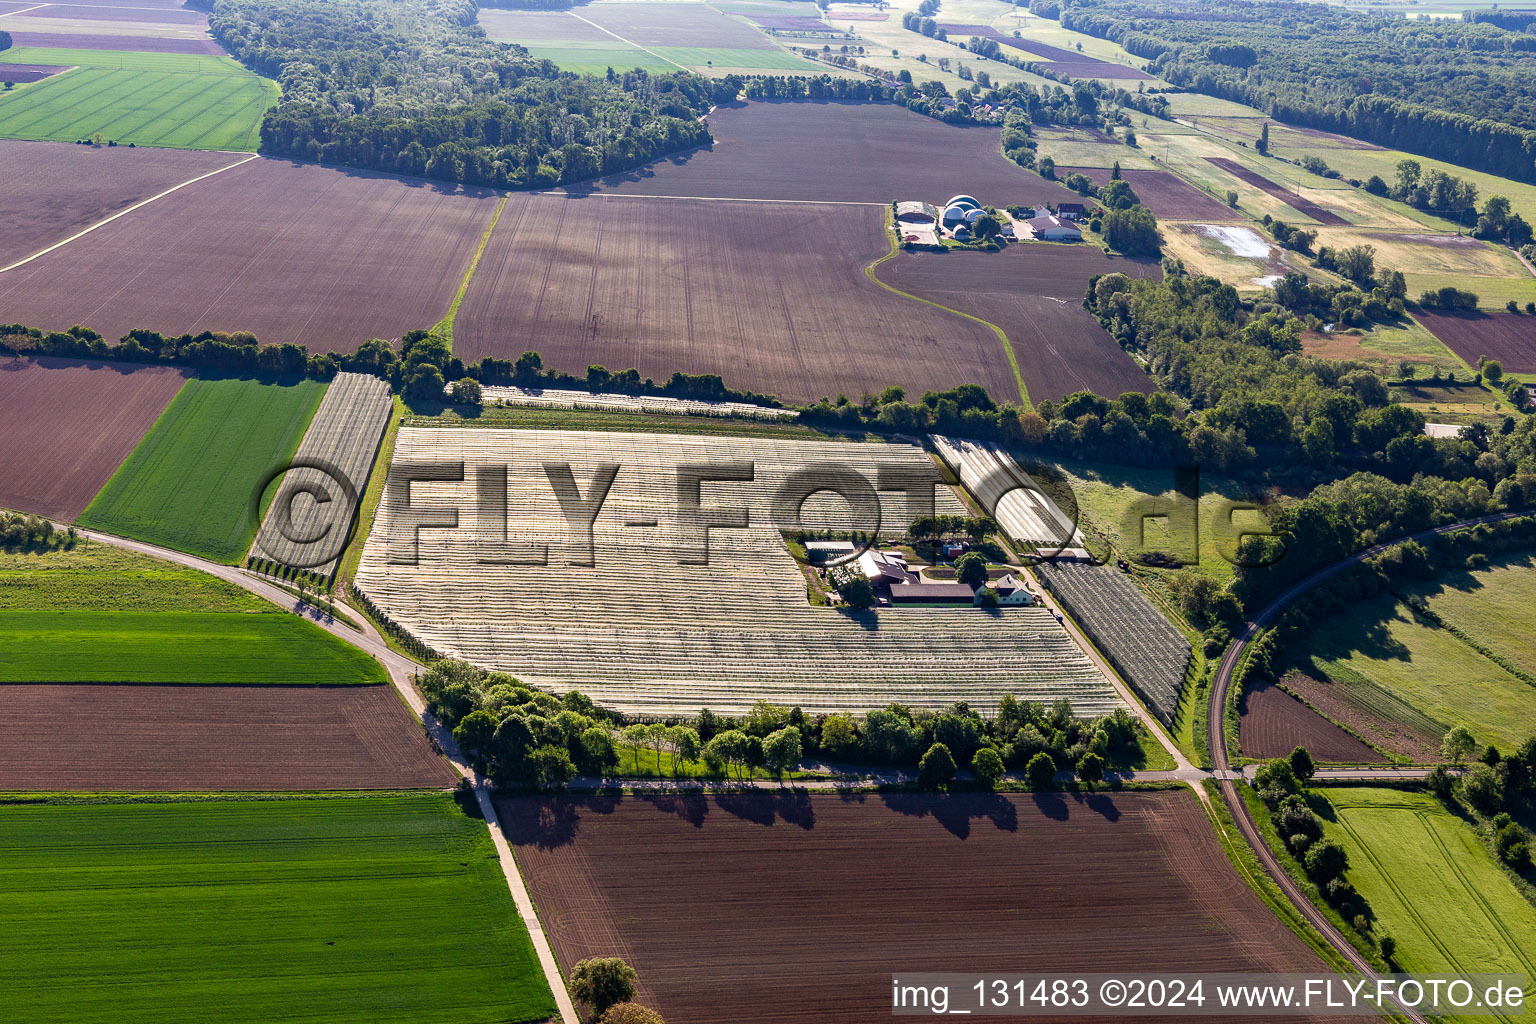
415, 87
1459, 91
522, 736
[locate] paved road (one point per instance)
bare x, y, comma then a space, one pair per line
1216, 733
402, 673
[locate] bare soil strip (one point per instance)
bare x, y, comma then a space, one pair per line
67, 424
53, 190
185, 738
1274, 723
1303, 206
777, 906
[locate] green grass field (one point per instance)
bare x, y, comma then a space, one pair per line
1493, 604
1432, 885
717, 57
1428, 668
368, 909
1110, 498
46, 646
96, 577
596, 60
179, 101
189, 484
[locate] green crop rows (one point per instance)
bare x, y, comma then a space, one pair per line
44, 646
189, 483
96, 577
1432, 885
179, 101
371, 909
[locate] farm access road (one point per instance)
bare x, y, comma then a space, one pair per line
402, 673
1217, 726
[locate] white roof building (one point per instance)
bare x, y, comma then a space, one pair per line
1053, 229
889, 566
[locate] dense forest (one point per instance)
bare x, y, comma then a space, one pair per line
1462, 91
415, 87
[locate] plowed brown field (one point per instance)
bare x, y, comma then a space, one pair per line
67, 425
772, 296
143, 44
787, 908
54, 189
1508, 337
292, 252
1306, 207
1034, 292
837, 152
1273, 723
185, 738
1165, 194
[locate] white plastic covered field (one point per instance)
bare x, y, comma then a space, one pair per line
638, 630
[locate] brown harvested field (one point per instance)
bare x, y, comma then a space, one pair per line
1034, 292
1097, 69
1167, 195
1508, 337
771, 296
684, 24
21, 74
790, 22
1396, 732
201, 738
54, 189
292, 252
173, 5
1273, 723
540, 27
837, 152
161, 16
793, 908
67, 425
1303, 206
142, 44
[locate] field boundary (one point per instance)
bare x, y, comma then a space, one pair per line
631, 42
1002, 336
245, 159
444, 327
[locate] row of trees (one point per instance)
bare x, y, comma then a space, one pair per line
19, 532
1281, 785
519, 735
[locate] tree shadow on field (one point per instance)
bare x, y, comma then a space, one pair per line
691, 806
596, 186
763, 807
550, 822
956, 811
1053, 806
446, 188
1102, 805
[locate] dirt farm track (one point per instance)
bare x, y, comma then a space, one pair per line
1034, 293
772, 296
792, 908
291, 252
52, 190
196, 738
